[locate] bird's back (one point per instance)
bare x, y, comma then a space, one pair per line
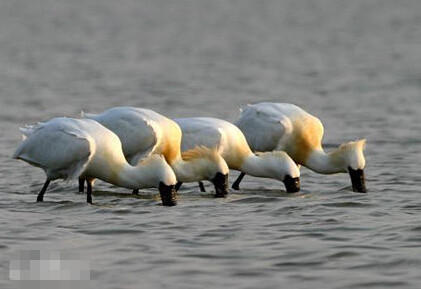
215, 133
281, 126
142, 132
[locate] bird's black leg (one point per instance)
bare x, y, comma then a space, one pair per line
89, 191
202, 187
135, 192
177, 186
40, 196
236, 184
81, 185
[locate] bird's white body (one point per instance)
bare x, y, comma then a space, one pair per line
67, 148
282, 126
232, 146
144, 132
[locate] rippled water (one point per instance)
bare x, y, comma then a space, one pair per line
355, 64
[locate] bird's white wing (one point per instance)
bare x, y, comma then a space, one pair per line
147, 140
264, 130
139, 137
63, 152
195, 134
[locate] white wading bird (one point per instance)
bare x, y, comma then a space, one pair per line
232, 146
144, 132
67, 148
287, 127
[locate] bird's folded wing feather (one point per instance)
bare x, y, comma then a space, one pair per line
263, 130
200, 136
139, 137
64, 151
147, 139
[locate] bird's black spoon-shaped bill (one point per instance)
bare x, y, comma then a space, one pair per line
357, 180
168, 194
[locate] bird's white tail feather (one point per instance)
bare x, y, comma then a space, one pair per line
29, 129
87, 115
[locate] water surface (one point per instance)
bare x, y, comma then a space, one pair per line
354, 64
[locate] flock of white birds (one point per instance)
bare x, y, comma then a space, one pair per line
138, 148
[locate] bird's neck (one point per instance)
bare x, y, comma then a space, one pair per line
325, 163
189, 170
133, 177
255, 165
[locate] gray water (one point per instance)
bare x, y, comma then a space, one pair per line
354, 64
